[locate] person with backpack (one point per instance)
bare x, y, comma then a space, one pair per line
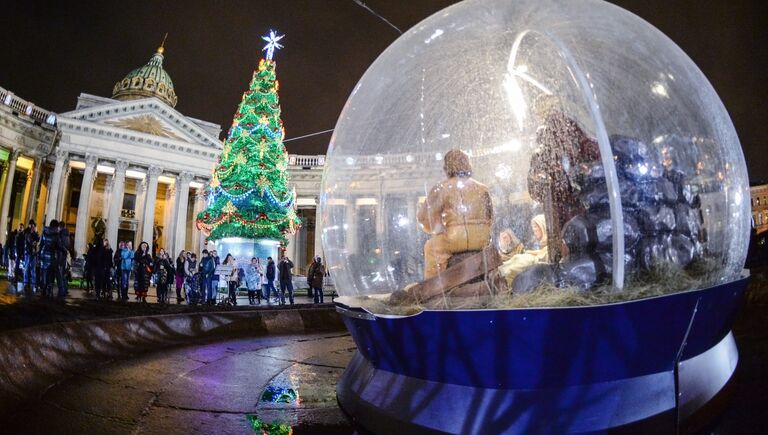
207, 268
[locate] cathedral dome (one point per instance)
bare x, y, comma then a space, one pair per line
150, 80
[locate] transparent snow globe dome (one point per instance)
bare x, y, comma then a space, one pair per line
612, 167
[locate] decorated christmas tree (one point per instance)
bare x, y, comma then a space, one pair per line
248, 195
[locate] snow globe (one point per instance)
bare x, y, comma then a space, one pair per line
536, 216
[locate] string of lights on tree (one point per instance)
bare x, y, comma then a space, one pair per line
248, 195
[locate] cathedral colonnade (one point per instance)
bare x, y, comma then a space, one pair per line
124, 202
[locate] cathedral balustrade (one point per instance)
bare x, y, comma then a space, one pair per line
20, 106
306, 161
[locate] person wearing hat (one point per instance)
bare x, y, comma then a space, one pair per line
31, 242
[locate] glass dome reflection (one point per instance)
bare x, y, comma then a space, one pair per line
610, 165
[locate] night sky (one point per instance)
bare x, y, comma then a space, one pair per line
52, 51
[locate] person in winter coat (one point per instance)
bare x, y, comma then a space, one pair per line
215, 277
192, 278
126, 265
99, 260
180, 275
31, 246
10, 248
207, 268
284, 270
117, 260
62, 261
48, 250
232, 278
315, 277
165, 275
253, 281
19, 249
144, 264
109, 269
270, 284
88, 268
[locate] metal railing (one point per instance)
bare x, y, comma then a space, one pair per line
25, 108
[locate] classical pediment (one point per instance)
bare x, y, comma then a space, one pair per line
146, 123
150, 116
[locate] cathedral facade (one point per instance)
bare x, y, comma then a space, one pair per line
125, 168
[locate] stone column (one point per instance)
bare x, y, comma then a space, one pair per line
3, 177
141, 196
55, 182
318, 231
116, 202
4, 209
42, 195
302, 243
109, 183
148, 221
31, 210
291, 249
182, 201
83, 221
63, 191
27, 194
198, 238
169, 217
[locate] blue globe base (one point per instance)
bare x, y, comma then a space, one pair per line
648, 363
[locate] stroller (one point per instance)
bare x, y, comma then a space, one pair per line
193, 286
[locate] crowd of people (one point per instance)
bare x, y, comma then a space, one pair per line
36, 262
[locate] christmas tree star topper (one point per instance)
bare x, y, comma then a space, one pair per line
272, 43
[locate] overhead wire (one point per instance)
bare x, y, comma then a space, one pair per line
374, 13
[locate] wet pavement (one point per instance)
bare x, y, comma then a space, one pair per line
220, 388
